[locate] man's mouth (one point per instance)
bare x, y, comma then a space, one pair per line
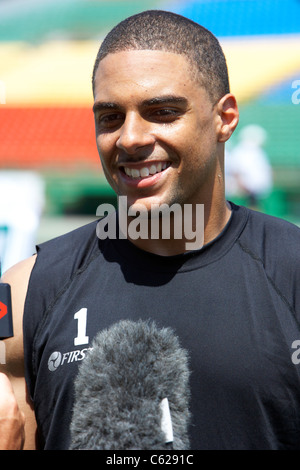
146, 171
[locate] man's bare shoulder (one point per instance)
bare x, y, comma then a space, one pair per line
20, 272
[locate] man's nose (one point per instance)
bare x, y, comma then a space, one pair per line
135, 133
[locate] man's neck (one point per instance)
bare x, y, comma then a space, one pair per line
205, 229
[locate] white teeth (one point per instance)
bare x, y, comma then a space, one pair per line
145, 171
135, 173
152, 170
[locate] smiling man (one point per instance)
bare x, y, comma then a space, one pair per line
163, 112
161, 139
161, 130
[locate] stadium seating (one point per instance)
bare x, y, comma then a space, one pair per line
45, 69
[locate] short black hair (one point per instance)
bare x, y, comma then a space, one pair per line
170, 32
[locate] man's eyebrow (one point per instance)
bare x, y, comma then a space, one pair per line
166, 99
103, 105
158, 100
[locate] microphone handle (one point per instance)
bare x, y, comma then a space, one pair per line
6, 323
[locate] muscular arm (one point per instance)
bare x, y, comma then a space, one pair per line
18, 277
11, 418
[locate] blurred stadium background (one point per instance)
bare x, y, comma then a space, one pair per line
47, 142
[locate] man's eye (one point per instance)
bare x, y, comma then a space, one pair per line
166, 114
110, 120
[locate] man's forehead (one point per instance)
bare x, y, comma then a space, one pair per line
144, 69
145, 57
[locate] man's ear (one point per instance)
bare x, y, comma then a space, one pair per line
228, 114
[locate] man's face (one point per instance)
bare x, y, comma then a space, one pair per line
156, 129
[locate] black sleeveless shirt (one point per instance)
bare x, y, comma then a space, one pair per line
234, 305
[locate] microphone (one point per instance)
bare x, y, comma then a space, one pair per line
6, 318
132, 391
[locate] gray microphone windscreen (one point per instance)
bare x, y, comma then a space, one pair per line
122, 383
